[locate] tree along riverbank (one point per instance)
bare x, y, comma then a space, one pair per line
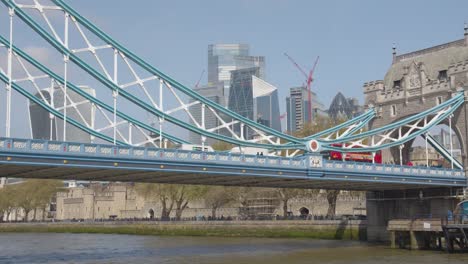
327, 229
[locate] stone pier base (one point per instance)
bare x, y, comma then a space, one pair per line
383, 206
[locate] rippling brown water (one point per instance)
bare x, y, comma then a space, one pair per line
92, 248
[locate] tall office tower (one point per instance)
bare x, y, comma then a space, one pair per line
43, 123
224, 58
83, 113
266, 105
254, 99
344, 108
45, 126
215, 93
443, 137
296, 108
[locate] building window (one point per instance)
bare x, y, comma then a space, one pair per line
442, 75
397, 84
393, 111
439, 100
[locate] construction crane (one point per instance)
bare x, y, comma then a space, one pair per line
199, 79
309, 80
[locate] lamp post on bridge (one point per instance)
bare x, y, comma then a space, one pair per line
11, 12
427, 152
451, 143
401, 154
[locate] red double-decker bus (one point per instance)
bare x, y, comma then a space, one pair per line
354, 156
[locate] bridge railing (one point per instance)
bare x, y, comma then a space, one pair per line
300, 162
391, 169
100, 150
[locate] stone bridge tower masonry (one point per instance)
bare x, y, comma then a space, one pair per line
415, 82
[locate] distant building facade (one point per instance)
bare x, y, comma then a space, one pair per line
417, 81
418, 156
297, 104
224, 58
253, 98
344, 108
42, 122
99, 202
266, 104
84, 113
215, 93
46, 126
122, 201
453, 144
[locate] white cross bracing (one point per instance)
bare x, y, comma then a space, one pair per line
172, 100
25, 77
177, 104
399, 134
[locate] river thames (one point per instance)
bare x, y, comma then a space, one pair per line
96, 248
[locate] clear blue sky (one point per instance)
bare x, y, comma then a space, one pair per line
352, 38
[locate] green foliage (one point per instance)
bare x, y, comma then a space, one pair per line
7, 201
170, 195
278, 230
218, 196
222, 146
29, 195
182, 194
319, 124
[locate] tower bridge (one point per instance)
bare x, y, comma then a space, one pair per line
421, 90
415, 82
22, 158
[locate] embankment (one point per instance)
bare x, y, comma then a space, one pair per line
324, 229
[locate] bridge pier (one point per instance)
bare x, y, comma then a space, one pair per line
383, 206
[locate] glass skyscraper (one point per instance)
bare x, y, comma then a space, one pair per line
224, 58
44, 127
254, 99
296, 108
266, 105
84, 110
215, 93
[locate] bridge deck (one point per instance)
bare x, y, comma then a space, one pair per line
20, 158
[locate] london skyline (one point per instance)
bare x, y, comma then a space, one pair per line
354, 43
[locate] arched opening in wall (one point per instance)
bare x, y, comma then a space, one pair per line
151, 214
414, 152
304, 212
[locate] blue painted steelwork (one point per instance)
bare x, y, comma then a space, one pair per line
443, 151
359, 122
56, 113
297, 143
294, 143
365, 118
260, 166
82, 93
454, 102
139, 61
26, 152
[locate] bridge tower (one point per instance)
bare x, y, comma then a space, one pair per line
417, 81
